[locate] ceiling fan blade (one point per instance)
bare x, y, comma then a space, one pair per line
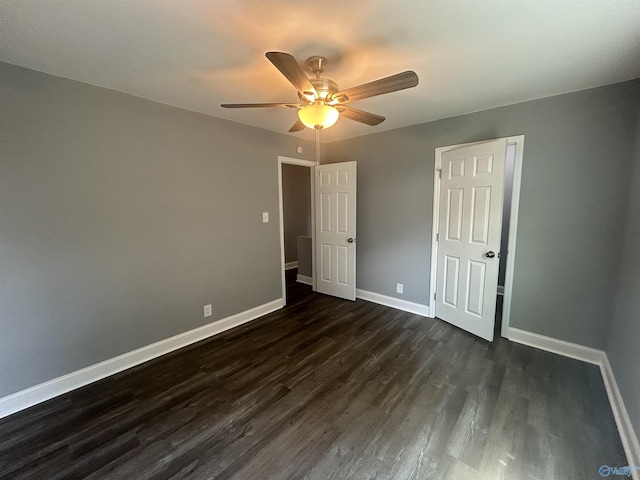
297, 126
360, 115
259, 105
396, 82
289, 67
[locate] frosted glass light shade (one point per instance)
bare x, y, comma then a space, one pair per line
318, 115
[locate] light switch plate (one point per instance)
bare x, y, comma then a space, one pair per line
265, 217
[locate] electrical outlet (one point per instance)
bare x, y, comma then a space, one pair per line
399, 288
208, 310
265, 217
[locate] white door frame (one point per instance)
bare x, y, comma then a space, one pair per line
303, 163
518, 140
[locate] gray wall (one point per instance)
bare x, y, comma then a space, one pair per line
624, 338
296, 206
305, 256
119, 219
577, 152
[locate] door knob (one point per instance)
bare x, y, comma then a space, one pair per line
490, 254
350, 240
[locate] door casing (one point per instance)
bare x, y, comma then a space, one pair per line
518, 140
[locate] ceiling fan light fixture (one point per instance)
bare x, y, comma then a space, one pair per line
321, 101
318, 115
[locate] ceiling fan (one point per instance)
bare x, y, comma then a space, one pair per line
321, 102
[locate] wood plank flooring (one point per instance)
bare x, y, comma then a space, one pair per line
327, 389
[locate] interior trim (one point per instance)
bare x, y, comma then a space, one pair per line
597, 357
39, 393
393, 302
553, 345
625, 428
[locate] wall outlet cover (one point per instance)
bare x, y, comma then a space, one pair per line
208, 310
399, 288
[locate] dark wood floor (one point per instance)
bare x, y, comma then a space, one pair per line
327, 389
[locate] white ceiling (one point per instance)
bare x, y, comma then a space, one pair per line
470, 55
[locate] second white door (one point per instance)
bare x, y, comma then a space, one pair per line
469, 226
335, 192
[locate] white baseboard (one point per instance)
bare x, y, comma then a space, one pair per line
625, 428
304, 279
597, 357
53, 388
290, 265
393, 302
553, 345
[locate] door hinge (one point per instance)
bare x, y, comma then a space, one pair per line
437, 237
434, 296
439, 173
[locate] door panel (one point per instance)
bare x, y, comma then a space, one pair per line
469, 225
343, 212
475, 288
325, 212
454, 214
326, 272
336, 214
480, 212
343, 265
452, 273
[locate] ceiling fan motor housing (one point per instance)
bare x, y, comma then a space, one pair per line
324, 87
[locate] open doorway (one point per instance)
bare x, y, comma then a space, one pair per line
296, 189
296, 219
506, 224
506, 214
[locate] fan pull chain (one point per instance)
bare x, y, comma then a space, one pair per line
317, 146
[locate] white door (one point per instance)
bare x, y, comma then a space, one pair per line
470, 220
336, 229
